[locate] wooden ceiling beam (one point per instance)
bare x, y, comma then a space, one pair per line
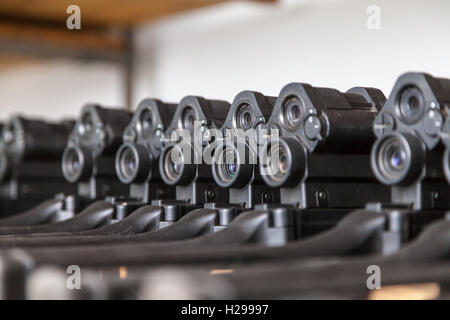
48, 41
37, 28
103, 12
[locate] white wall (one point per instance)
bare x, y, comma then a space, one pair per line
218, 51
55, 89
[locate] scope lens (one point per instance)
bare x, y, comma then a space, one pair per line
146, 123
412, 105
275, 164
398, 158
244, 117
173, 163
233, 165
188, 118
133, 163
392, 158
292, 113
128, 164
231, 169
279, 162
283, 162
72, 164
227, 167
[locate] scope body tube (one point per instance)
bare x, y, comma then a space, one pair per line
323, 147
27, 158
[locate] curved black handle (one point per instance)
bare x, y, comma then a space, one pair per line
358, 230
40, 214
432, 244
145, 218
95, 215
195, 223
246, 228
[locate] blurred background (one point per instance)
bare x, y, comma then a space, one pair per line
130, 49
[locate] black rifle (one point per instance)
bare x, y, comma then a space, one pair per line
30, 153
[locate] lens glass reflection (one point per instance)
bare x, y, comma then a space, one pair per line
278, 162
412, 105
72, 163
128, 163
173, 164
189, 116
244, 117
291, 115
227, 166
392, 158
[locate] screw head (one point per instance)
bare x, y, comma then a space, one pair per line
322, 195
210, 194
266, 197
313, 127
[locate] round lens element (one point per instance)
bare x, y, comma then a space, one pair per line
231, 169
128, 163
146, 123
244, 117
282, 163
394, 156
412, 105
188, 118
173, 164
227, 167
397, 158
291, 115
278, 162
133, 163
76, 164
177, 165
73, 163
233, 165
